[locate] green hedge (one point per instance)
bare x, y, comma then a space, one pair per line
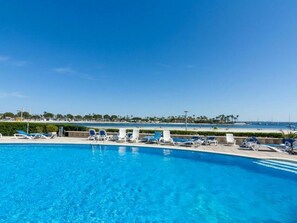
10, 128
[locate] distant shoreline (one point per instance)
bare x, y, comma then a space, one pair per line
109, 122
199, 127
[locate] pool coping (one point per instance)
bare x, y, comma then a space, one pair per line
219, 149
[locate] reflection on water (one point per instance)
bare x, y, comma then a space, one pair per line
122, 150
166, 152
135, 150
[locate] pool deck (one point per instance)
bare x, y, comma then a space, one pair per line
235, 150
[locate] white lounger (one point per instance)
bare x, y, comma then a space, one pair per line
102, 135
135, 136
122, 135
230, 139
166, 138
92, 134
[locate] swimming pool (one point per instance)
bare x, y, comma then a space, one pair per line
84, 183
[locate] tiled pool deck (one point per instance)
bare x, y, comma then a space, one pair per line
263, 153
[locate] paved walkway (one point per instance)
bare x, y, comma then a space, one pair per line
263, 153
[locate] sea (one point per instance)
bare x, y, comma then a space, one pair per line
244, 125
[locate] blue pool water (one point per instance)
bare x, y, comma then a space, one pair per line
78, 183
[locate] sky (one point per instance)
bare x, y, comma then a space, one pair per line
150, 58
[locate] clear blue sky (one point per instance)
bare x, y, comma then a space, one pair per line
150, 57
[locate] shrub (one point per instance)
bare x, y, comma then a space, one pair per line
39, 129
10, 128
52, 128
289, 135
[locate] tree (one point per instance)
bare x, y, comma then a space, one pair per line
8, 115
113, 117
106, 117
88, 117
227, 118
60, 116
48, 115
136, 119
69, 116
236, 118
78, 117
35, 117
97, 117
25, 115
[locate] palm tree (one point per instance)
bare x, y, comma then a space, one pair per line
232, 118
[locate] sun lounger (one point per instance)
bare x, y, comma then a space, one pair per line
145, 138
135, 136
209, 140
155, 138
129, 135
166, 138
195, 141
122, 136
49, 135
92, 134
293, 150
290, 145
251, 143
23, 135
102, 136
289, 142
230, 139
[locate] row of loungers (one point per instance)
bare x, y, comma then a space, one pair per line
164, 137
24, 135
158, 137
289, 145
